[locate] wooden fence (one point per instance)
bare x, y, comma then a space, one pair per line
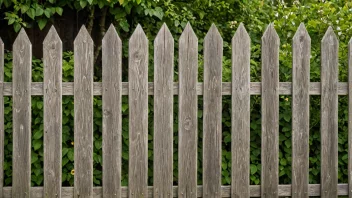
164, 88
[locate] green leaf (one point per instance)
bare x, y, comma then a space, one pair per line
39, 11
47, 12
90, 2
98, 144
121, 2
37, 144
24, 8
124, 25
254, 169
70, 155
31, 13
17, 27
40, 104
37, 134
41, 23
11, 21
82, 4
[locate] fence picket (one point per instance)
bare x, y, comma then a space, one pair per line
329, 115
21, 77
240, 141
83, 117
52, 58
350, 118
188, 105
111, 83
2, 121
270, 113
138, 114
300, 112
163, 113
212, 134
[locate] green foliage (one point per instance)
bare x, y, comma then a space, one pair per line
227, 15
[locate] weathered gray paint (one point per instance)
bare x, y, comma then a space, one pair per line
21, 77
138, 114
83, 117
300, 112
212, 134
188, 105
52, 59
240, 113
2, 121
329, 115
163, 113
270, 113
350, 118
112, 115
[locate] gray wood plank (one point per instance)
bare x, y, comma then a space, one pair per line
83, 117
350, 118
163, 113
138, 114
300, 112
270, 113
212, 102
22, 58
111, 83
329, 115
188, 106
2, 121
240, 113
52, 58
21, 77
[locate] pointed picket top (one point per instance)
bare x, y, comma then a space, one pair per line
329, 36
164, 34
83, 36
188, 32
52, 36
241, 34
111, 35
22, 37
138, 34
301, 33
270, 33
213, 33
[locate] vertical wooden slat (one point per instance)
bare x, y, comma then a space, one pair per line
163, 113
329, 115
212, 134
138, 114
2, 121
270, 113
350, 118
52, 57
188, 105
112, 85
240, 144
21, 78
300, 112
83, 117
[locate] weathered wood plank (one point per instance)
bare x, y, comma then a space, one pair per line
138, 114
163, 113
284, 191
329, 115
83, 117
285, 88
240, 115
2, 121
22, 77
270, 113
52, 58
350, 118
188, 105
112, 115
212, 134
300, 112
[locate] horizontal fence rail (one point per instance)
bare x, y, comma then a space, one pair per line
163, 89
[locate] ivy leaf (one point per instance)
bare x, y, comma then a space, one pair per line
90, 2
11, 21
47, 12
59, 11
24, 8
39, 11
124, 25
121, 2
17, 27
41, 23
254, 169
82, 4
31, 13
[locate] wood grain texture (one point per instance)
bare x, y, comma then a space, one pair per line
240, 113
350, 118
163, 113
329, 115
2, 121
212, 101
300, 112
112, 115
188, 106
284, 191
285, 88
83, 117
138, 114
270, 113
52, 59
21, 77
